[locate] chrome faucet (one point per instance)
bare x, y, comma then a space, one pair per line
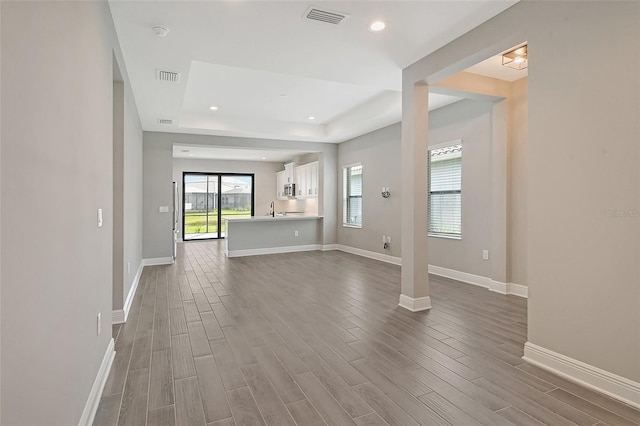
272, 211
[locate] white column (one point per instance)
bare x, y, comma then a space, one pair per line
415, 279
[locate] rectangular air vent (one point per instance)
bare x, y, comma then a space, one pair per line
324, 15
165, 121
170, 76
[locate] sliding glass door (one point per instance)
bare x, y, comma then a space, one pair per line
209, 198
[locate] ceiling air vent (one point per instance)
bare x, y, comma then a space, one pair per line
170, 76
324, 15
165, 121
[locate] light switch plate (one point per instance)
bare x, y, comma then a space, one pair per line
163, 209
99, 218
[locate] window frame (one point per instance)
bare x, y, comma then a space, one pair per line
346, 197
429, 192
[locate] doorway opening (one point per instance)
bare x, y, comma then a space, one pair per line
210, 198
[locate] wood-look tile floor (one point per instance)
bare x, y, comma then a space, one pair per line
317, 338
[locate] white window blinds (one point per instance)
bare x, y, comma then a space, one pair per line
352, 196
445, 191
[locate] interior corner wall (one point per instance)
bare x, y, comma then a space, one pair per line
264, 178
118, 194
517, 256
583, 183
470, 121
56, 267
379, 153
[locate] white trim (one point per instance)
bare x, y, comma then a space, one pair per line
492, 285
370, 254
602, 381
120, 316
415, 304
460, 276
91, 406
272, 250
157, 261
444, 144
328, 247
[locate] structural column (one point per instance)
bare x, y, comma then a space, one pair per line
415, 274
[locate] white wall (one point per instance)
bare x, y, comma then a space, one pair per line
158, 178
470, 121
517, 259
56, 263
379, 153
583, 155
264, 179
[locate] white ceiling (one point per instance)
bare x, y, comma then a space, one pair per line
236, 154
493, 68
243, 55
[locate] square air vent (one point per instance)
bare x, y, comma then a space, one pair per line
325, 15
165, 121
170, 76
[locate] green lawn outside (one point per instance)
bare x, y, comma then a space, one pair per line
196, 222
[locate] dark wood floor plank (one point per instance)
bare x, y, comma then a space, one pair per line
198, 339
161, 380
370, 420
227, 366
212, 390
108, 410
239, 346
165, 416
327, 406
244, 408
447, 410
338, 388
188, 402
305, 414
336, 362
517, 417
283, 383
384, 407
287, 357
211, 326
271, 407
182, 357
191, 313
133, 410
591, 409
177, 322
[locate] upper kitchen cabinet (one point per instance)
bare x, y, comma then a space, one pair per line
307, 180
281, 180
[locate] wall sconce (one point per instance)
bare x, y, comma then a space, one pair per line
385, 192
516, 58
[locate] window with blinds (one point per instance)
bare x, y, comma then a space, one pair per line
352, 196
445, 191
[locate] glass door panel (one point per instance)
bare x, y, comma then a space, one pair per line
236, 198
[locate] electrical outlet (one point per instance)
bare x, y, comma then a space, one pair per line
99, 323
295, 233
99, 218
389, 239
384, 239
485, 254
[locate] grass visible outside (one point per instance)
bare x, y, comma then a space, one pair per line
196, 222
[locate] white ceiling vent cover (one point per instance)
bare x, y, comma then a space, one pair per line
165, 121
170, 76
325, 15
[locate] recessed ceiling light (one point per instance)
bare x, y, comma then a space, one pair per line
284, 95
213, 108
377, 26
311, 117
263, 158
186, 150
160, 31
190, 155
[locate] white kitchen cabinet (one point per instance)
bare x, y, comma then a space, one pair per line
314, 179
307, 180
281, 180
290, 172
301, 181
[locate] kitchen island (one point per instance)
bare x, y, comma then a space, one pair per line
255, 235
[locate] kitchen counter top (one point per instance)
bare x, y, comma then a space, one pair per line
271, 218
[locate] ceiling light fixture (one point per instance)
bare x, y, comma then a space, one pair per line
190, 155
160, 31
263, 158
213, 108
377, 26
311, 117
186, 150
516, 58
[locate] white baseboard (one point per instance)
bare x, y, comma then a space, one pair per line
120, 316
157, 261
602, 381
488, 283
415, 304
366, 253
272, 250
328, 247
90, 408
